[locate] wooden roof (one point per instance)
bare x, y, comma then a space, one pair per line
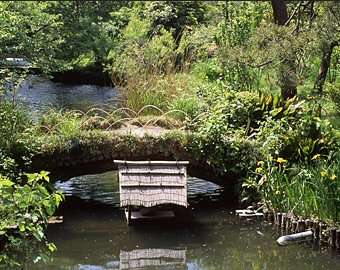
151, 183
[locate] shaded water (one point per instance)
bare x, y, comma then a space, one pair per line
39, 94
97, 237
104, 188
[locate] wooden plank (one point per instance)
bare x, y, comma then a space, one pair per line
152, 172
143, 180
153, 162
145, 185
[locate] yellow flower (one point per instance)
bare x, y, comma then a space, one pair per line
333, 177
323, 173
258, 170
317, 156
259, 163
281, 160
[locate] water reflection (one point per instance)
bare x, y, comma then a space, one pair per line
100, 239
159, 258
39, 94
104, 188
96, 237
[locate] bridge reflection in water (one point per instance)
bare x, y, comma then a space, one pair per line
153, 258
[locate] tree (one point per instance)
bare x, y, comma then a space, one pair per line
89, 30
28, 30
175, 15
327, 30
287, 76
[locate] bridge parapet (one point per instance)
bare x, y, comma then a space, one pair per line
94, 154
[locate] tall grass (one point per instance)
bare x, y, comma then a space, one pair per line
310, 190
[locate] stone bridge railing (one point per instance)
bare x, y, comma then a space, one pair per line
95, 154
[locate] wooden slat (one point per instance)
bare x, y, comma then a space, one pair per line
151, 183
153, 196
153, 162
152, 172
160, 180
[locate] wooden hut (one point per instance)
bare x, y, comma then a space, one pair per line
146, 184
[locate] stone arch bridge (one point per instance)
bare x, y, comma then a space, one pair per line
95, 154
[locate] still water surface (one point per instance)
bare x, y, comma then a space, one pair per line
97, 237
39, 94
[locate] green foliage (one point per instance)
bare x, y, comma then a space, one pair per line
138, 54
186, 107
228, 111
16, 142
333, 91
175, 15
222, 132
298, 138
24, 213
28, 30
87, 30
209, 70
57, 128
229, 154
307, 189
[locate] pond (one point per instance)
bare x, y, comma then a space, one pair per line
40, 94
95, 236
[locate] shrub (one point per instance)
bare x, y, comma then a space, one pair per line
298, 137
16, 141
232, 110
25, 209
333, 91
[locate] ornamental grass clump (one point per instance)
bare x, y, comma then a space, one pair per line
307, 189
299, 171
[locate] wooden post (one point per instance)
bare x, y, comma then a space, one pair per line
294, 226
322, 227
279, 219
316, 231
332, 237
288, 224
129, 215
301, 226
271, 217
284, 220
337, 240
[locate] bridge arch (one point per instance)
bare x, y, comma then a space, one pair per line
92, 156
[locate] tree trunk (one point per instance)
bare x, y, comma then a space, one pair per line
280, 13
327, 50
287, 76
